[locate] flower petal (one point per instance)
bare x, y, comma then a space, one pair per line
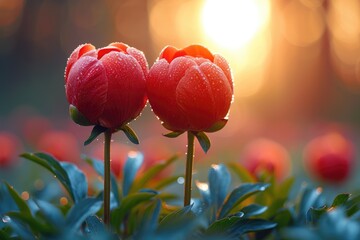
87, 86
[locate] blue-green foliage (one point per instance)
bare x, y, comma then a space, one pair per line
139, 208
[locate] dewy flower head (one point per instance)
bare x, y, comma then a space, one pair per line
106, 86
330, 158
190, 89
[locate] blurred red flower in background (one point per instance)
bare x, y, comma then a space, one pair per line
329, 158
106, 85
190, 89
33, 127
9, 149
62, 145
265, 155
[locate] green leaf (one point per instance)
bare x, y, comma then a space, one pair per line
51, 213
253, 210
223, 225
252, 225
78, 117
127, 204
130, 134
173, 134
80, 211
314, 214
243, 174
218, 125
203, 140
95, 229
132, 166
340, 199
98, 166
78, 181
68, 174
310, 198
36, 226
149, 221
177, 214
219, 183
352, 205
96, 131
22, 205
239, 194
151, 173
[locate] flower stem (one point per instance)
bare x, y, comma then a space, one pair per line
107, 177
189, 168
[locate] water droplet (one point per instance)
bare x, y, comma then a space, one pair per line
180, 180
6, 219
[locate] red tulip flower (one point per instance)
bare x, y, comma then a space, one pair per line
106, 86
329, 158
264, 155
190, 89
9, 149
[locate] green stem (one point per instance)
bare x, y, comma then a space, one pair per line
189, 168
107, 177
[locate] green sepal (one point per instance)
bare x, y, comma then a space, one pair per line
96, 131
203, 140
78, 117
173, 134
130, 134
217, 126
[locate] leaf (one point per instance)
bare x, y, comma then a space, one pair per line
33, 223
95, 229
80, 211
98, 166
218, 125
130, 134
127, 204
51, 213
173, 134
243, 174
132, 166
62, 171
314, 214
177, 214
219, 183
310, 198
203, 140
223, 225
149, 221
151, 173
252, 225
340, 199
23, 207
336, 225
78, 182
96, 131
253, 210
239, 194
78, 117
22, 231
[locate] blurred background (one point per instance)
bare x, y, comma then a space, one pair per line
295, 65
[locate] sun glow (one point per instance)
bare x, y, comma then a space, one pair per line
233, 23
